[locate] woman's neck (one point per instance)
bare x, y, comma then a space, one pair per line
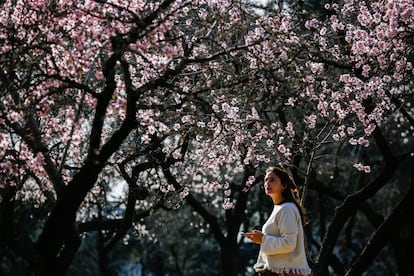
277, 200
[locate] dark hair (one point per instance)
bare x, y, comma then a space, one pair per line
290, 194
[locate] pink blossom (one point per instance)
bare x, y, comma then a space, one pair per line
361, 167
184, 193
250, 181
244, 190
145, 139
14, 117
345, 78
363, 141
336, 137
177, 154
227, 204
369, 129
170, 51
323, 108
360, 47
365, 70
270, 143
310, 121
186, 119
313, 23
288, 154
281, 148
291, 101
364, 17
350, 130
289, 129
176, 126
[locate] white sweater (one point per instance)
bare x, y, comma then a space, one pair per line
282, 248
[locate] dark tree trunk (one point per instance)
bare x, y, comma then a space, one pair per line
231, 264
382, 235
59, 239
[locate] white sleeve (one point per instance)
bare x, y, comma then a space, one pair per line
288, 224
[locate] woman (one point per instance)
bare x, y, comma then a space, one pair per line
282, 246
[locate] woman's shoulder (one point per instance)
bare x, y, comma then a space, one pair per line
289, 206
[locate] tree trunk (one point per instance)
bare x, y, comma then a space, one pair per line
383, 234
59, 236
231, 264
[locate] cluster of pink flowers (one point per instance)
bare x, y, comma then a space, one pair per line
363, 168
249, 183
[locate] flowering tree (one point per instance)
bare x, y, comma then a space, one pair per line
82, 81
187, 99
369, 45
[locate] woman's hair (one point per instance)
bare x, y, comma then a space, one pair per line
291, 193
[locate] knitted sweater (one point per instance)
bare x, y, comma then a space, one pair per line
282, 248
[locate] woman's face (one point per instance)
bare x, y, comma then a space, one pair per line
273, 184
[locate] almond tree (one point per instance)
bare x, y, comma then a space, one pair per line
352, 80
369, 44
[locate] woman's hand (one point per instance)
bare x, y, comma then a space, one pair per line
255, 235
